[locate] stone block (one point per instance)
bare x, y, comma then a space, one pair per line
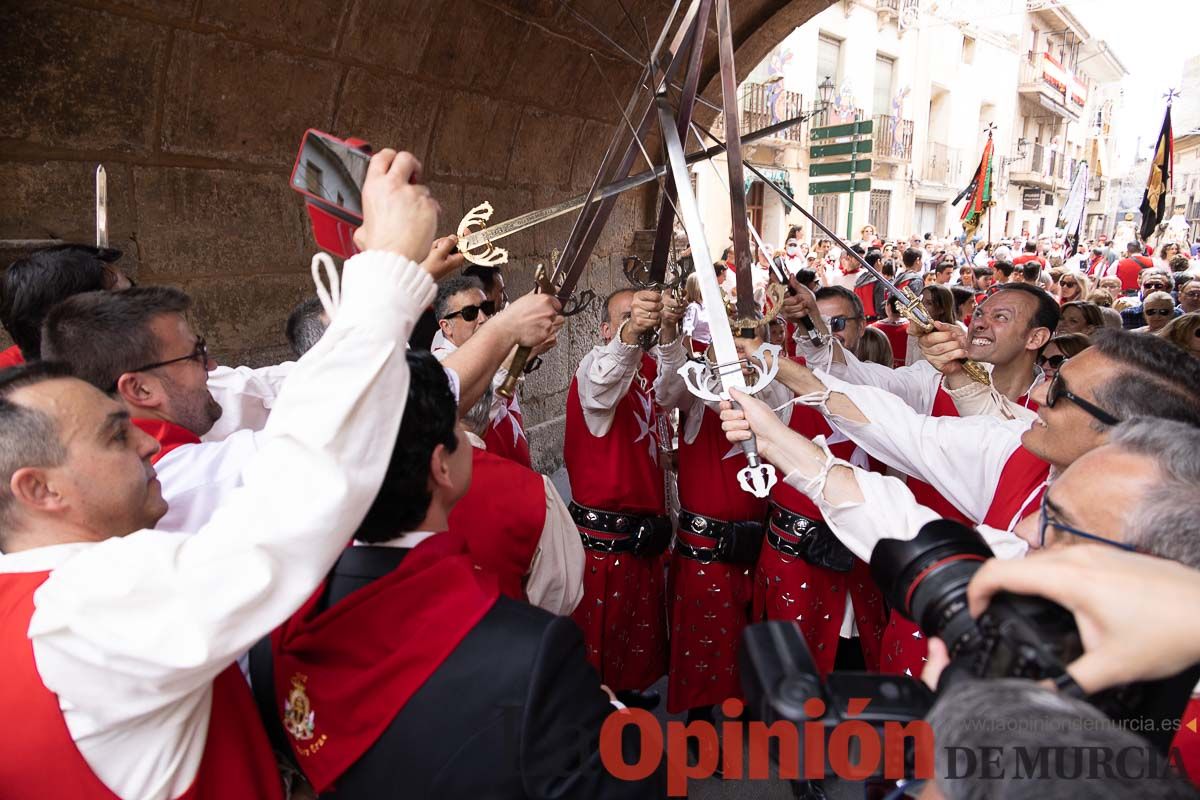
169, 10
549, 70
389, 33
311, 24
390, 111
545, 444
593, 142
546, 145
244, 315
233, 101
57, 200
474, 137
79, 78
195, 222
472, 45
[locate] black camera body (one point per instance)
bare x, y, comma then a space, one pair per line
925, 579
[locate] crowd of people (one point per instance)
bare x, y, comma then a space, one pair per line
340, 576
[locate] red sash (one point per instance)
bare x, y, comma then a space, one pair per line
342, 674
167, 434
1019, 492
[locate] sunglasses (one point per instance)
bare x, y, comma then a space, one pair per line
1155, 287
1158, 312
1069, 284
1046, 521
199, 354
469, 313
1057, 390
838, 324
1053, 361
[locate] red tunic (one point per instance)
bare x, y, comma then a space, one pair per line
622, 611
41, 760
710, 603
1017, 495
1128, 270
505, 437
897, 333
501, 518
11, 357
788, 588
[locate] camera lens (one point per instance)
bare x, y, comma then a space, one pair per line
925, 578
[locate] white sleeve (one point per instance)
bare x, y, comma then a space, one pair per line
668, 384
915, 385
197, 478
245, 396
555, 580
688, 325
889, 511
961, 457
603, 378
977, 400
153, 617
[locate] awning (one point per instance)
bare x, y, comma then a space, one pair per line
780, 177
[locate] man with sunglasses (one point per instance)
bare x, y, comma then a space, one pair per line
461, 308
1149, 281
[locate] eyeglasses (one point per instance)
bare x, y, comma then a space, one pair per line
1053, 361
838, 324
1193, 295
1057, 390
1158, 312
199, 354
1068, 285
1046, 521
469, 313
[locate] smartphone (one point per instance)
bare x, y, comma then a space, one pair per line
331, 171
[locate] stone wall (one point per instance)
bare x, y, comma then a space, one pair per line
196, 108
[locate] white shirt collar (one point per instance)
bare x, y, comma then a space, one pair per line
408, 540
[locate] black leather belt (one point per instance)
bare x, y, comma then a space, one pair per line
733, 542
807, 539
641, 535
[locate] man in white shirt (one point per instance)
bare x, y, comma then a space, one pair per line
92, 598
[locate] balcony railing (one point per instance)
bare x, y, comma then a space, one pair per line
1041, 73
893, 138
1042, 167
764, 104
942, 164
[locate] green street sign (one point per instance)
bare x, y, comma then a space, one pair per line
839, 187
841, 167
862, 127
840, 149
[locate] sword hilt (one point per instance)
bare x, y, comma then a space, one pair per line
516, 367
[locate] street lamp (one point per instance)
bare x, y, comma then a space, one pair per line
825, 91
1022, 147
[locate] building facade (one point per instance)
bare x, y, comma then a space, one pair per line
933, 81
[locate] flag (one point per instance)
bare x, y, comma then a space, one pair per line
979, 190
1154, 201
1074, 209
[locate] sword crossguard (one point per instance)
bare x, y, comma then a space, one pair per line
484, 254
918, 317
757, 477
705, 380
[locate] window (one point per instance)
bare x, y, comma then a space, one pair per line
880, 210
825, 208
829, 59
885, 68
754, 205
968, 50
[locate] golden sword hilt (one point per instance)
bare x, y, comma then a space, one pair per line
516, 367
915, 312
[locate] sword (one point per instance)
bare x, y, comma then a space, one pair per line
101, 207
910, 305
757, 477
470, 242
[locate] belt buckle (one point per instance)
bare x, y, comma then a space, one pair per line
621, 523
698, 524
801, 526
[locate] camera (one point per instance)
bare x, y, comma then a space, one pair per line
925, 579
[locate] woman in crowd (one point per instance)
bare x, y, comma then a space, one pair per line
939, 302
874, 347
695, 320
1058, 350
1184, 331
1158, 308
1073, 286
964, 303
1080, 317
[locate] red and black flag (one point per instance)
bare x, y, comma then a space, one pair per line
1154, 201
979, 190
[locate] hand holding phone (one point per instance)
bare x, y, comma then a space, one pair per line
399, 214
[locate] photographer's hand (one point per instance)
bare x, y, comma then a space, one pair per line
1136, 614
443, 260
399, 214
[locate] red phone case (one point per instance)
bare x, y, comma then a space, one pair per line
333, 228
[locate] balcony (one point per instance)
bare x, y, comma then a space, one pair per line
763, 104
1041, 167
893, 138
943, 164
1042, 80
905, 12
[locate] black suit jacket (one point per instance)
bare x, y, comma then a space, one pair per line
513, 713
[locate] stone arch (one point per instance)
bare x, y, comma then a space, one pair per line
196, 107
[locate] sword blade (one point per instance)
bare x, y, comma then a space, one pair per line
101, 207
532, 218
746, 307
